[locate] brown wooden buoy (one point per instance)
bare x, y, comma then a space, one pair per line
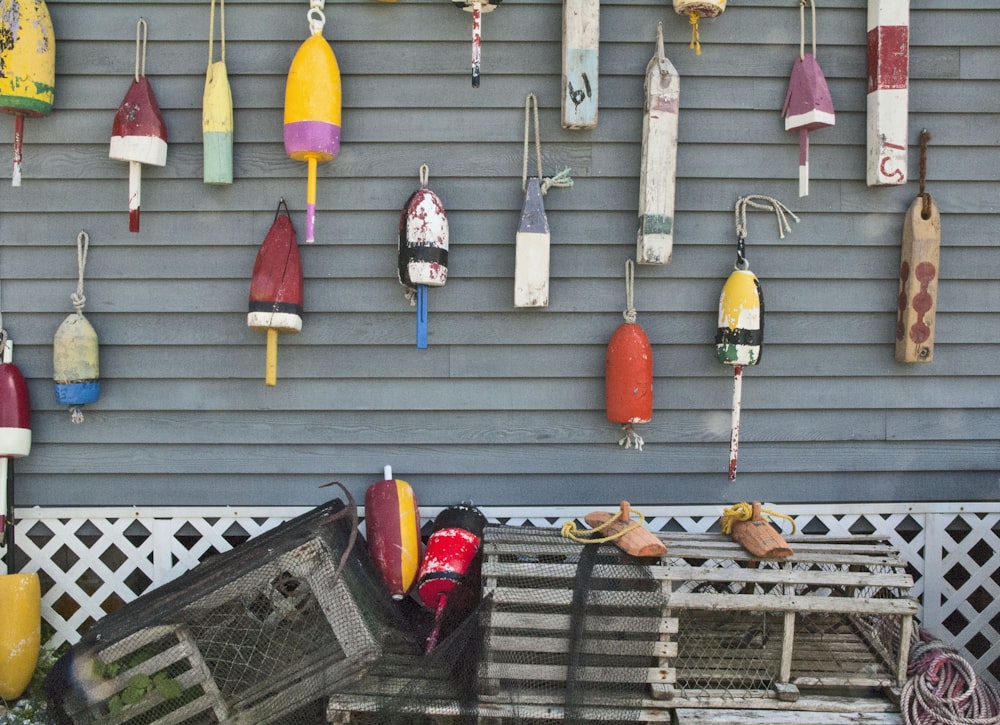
626, 534
745, 524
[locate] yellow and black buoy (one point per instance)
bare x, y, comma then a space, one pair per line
74, 350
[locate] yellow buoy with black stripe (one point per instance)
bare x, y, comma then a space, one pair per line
27, 66
741, 319
75, 356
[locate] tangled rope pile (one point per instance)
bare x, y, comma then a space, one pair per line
943, 688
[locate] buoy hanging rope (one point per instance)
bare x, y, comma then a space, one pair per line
79, 299
572, 532
562, 179
217, 108
628, 384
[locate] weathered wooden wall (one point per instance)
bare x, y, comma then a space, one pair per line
506, 406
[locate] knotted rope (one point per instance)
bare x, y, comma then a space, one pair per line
695, 37
925, 138
744, 512
82, 246
587, 536
630, 436
562, 179
317, 19
943, 688
757, 201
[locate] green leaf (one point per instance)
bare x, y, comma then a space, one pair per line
167, 688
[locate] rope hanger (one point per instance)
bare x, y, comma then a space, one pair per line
222, 31
562, 179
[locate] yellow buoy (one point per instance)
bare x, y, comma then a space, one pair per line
20, 632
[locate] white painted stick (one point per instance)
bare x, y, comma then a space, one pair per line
581, 33
134, 194
888, 91
734, 434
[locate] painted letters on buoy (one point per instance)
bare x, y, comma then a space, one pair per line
27, 67
75, 356
580, 40
217, 110
628, 372
695, 10
276, 297
313, 108
477, 8
422, 247
392, 526
888, 91
139, 134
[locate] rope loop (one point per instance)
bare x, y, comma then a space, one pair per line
802, 28
531, 113
695, 36
82, 246
425, 175
744, 512
629, 314
140, 28
758, 201
661, 53
222, 31
316, 17
925, 138
570, 530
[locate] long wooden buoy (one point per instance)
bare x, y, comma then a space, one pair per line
919, 271
628, 372
276, 297
627, 534
20, 632
422, 247
581, 33
658, 172
75, 355
888, 91
217, 109
808, 105
477, 8
313, 107
139, 133
27, 67
15, 436
695, 10
392, 528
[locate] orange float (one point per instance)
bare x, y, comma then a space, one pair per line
628, 375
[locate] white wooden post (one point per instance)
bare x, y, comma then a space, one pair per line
888, 90
581, 33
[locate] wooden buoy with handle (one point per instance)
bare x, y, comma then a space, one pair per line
27, 67
628, 371
619, 528
75, 353
217, 109
744, 523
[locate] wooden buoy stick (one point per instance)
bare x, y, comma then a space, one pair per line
888, 90
734, 435
271, 358
134, 194
311, 201
580, 40
18, 148
477, 42
422, 316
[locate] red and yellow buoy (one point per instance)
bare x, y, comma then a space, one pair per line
27, 67
628, 376
313, 107
392, 526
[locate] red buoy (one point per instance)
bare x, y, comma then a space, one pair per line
15, 433
628, 374
392, 525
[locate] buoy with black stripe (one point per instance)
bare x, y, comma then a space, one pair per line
75, 354
392, 529
628, 372
27, 67
423, 249
276, 297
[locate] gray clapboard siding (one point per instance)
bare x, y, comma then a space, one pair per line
506, 406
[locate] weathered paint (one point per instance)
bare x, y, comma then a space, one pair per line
581, 35
658, 170
741, 320
458, 532
808, 106
422, 247
75, 362
888, 91
392, 530
20, 632
477, 9
531, 263
918, 282
217, 126
628, 376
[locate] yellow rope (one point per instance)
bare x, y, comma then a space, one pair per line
570, 530
744, 512
695, 37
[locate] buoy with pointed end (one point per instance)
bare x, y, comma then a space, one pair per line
628, 372
313, 108
75, 356
217, 110
695, 10
27, 67
276, 296
392, 529
139, 133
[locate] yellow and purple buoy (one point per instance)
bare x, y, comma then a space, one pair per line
27, 67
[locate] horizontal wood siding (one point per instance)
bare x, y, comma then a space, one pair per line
506, 406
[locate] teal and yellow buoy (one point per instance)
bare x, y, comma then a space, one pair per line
27, 66
217, 109
74, 350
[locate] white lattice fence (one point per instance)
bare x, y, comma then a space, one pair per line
91, 561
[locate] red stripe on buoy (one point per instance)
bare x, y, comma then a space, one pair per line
888, 57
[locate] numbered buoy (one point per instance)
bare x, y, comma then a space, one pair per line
422, 247
276, 297
20, 632
477, 8
75, 356
628, 372
313, 107
27, 67
217, 109
695, 10
139, 133
808, 105
392, 527
888, 91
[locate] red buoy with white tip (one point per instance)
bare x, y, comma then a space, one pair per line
628, 372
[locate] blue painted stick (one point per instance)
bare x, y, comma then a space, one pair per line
422, 316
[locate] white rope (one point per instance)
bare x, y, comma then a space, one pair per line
317, 19
140, 27
629, 314
82, 246
802, 28
766, 203
562, 179
222, 31
630, 438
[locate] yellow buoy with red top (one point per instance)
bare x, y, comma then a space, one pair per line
628, 376
695, 10
313, 107
27, 66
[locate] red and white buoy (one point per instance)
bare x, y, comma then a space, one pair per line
15, 434
888, 91
477, 8
139, 133
628, 372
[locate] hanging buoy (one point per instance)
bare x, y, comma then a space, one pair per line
20, 632
313, 107
695, 10
628, 372
451, 549
422, 247
477, 8
581, 34
808, 105
75, 365
15, 436
918, 273
27, 67
658, 173
217, 109
139, 133
740, 334
888, 93
276, 288
392, 528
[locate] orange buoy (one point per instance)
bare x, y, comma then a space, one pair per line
628, 375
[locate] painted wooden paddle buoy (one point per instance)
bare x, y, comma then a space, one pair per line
392, 527
313, 107
15, 435
451, 550
422, 246
918, 274
276, 297
217, 109
139, 133
740, 334
888, 94
477, 8
808, 105
743, 521
27, 67
20, 632
695, 10
581, 34
628, 372
658, 173
75, 356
